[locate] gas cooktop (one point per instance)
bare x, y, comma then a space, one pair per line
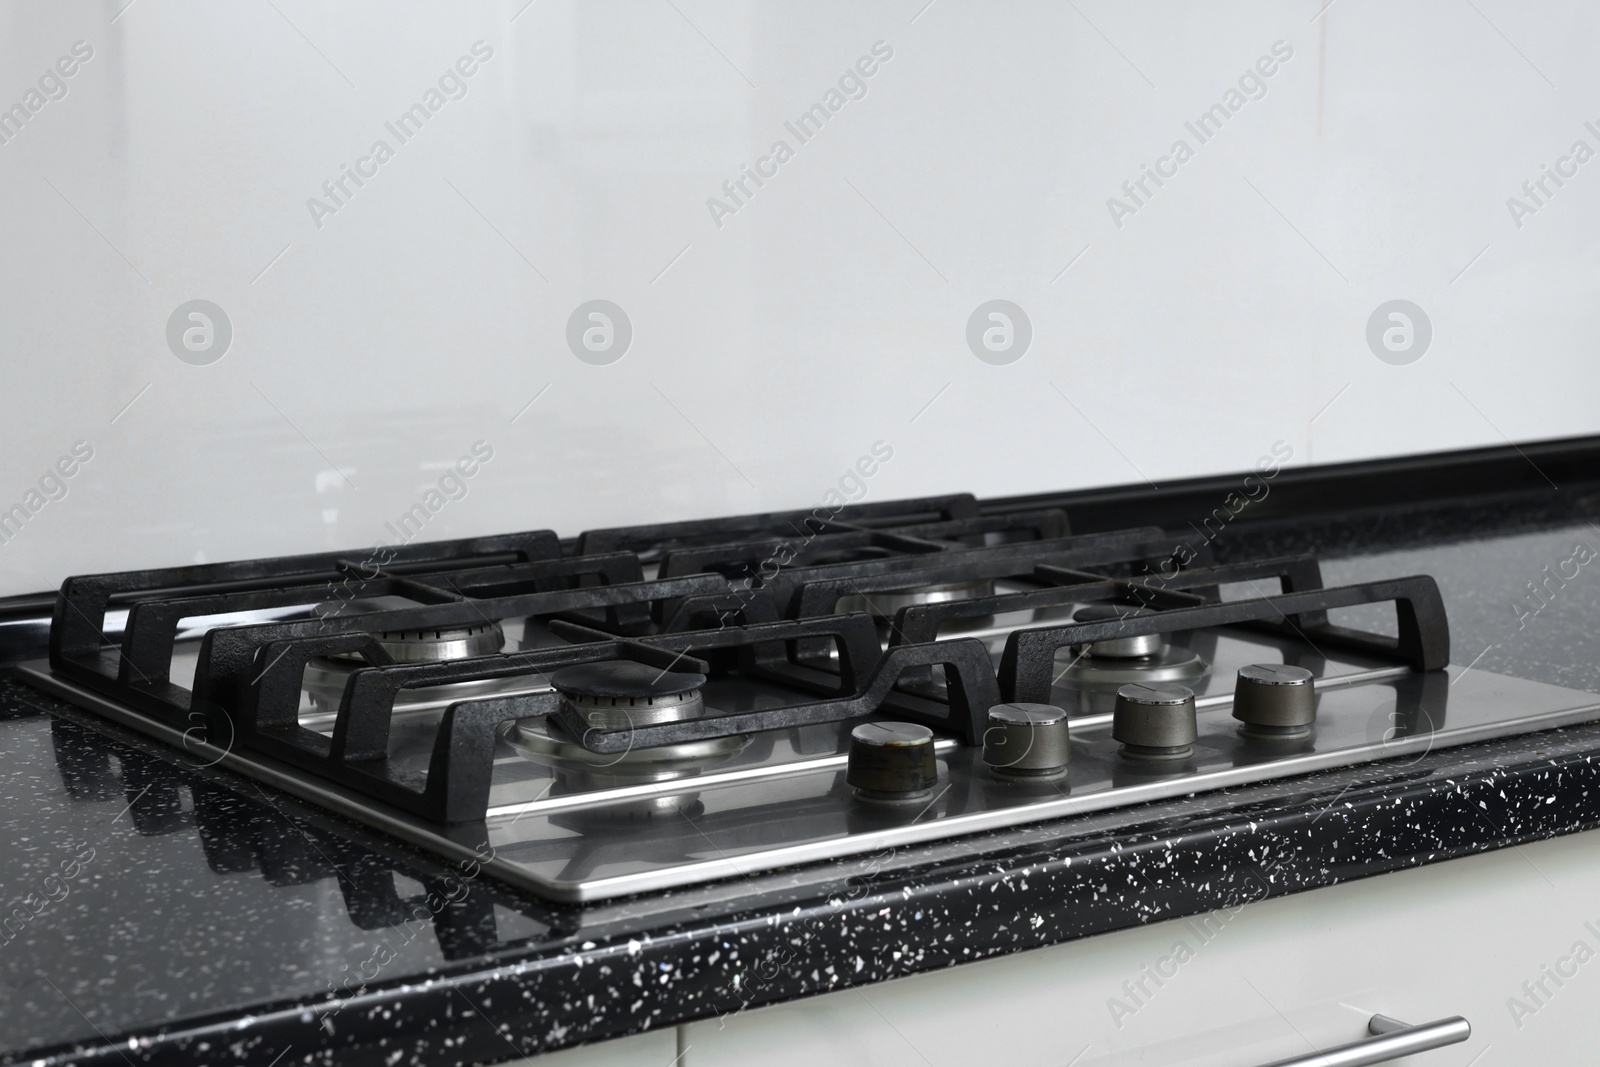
649, 707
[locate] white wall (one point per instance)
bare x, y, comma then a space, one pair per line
823, 316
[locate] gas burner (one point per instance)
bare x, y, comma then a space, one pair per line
439, 645
885, 605
620, 694
433, 646
1145, 658
1141, 647
325, 677
545, 744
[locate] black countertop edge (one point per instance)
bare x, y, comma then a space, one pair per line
1560, 474
1449, 804
1518, 485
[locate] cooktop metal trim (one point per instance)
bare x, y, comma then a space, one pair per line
594, 889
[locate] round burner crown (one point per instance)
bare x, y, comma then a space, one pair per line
621, 679
886, 604
621, 694
326, 677
431, 644
1119, 647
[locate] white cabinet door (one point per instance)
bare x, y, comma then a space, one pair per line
1239, 988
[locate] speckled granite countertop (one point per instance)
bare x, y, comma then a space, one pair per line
159, 913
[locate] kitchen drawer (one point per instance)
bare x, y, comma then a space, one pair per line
1249, 986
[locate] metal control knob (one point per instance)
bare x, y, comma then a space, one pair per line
1026, 740
891, 761
1274, 701
1119, 647
1155, 721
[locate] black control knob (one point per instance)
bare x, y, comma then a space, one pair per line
1026, 740
1119, 647
891, 761
1155, 721
1274, 701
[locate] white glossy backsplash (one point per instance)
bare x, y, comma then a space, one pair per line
564, 152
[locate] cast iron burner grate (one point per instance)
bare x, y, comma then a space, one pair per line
669, 606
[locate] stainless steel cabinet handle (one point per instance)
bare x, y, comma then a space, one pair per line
1391, 1039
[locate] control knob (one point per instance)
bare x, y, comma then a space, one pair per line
1026, 740
891, 761
1155, 721
1274, 701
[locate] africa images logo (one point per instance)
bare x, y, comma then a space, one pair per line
52, 85
999, 332
599, 332
851, 85
1399, 332
199, 332
451, 85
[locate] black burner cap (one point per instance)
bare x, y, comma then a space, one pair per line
623, 679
